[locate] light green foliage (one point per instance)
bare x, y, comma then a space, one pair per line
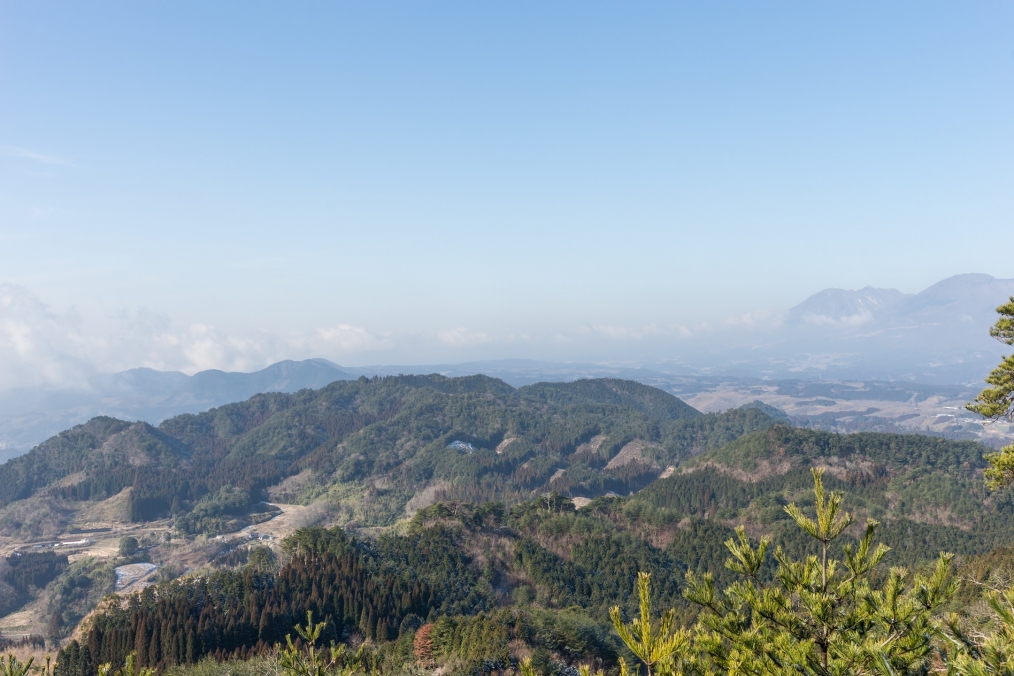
1000, 473
997, 401
308, 660
657, 643
129, 668
819, 615
977, 653
11, 666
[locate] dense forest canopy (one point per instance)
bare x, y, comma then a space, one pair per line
485, 579
383, 440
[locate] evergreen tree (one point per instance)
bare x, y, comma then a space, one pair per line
997, 401
308, 660
975, 653
819, 616
12, 666
657, 643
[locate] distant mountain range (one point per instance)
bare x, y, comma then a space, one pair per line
939, 336
27, 416
964, 303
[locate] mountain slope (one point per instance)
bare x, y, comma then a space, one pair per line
383, 445
29, 416
495, 584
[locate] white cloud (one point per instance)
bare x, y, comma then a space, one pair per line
38, 346
846, 321
761, 318
462, 337
41, 158
354, 339
43, 347
638, 332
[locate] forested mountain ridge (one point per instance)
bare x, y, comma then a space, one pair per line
380, 444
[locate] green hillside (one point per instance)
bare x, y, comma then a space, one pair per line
368, 449
495, 560
494, 582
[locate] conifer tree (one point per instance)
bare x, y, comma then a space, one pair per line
975, 653
422, 646
310, 661
997, 401
12, 666
657, 643
130, 668
819, 616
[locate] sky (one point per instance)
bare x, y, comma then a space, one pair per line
193, 185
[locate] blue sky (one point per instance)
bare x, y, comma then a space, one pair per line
381, 182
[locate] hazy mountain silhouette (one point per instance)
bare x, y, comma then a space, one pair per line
28, 416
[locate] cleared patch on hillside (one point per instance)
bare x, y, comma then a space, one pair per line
632, 452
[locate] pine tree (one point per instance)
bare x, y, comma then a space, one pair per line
12, 666
309, 661
998, 401
977, 653
819, 616
657, 643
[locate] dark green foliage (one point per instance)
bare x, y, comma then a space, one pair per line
927, 491
530, 567
64, 454
78, 589
599, 570
247, 612
379, 590
693, 436
656, 404
435, 556
261, 559
770, 411
99, 486
74, 660
700, 547
215, 511
34, 569
513, 445
892, 451
480, 643
129, 546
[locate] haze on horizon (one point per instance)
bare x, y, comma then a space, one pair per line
190, 187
